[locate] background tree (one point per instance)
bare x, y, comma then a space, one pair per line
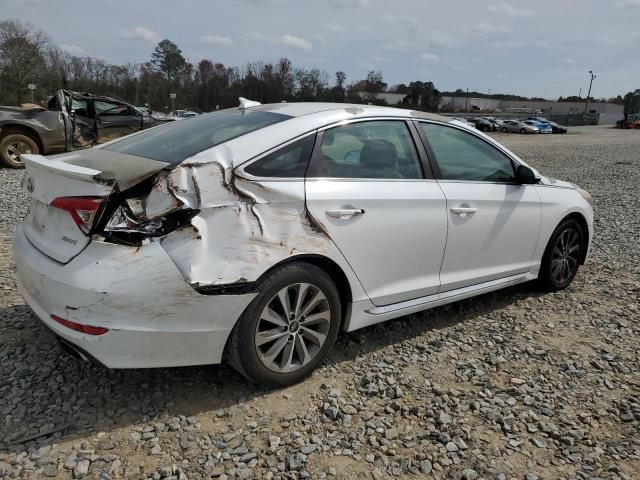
631, 103
22, 50
339, 92
167, 58
373, 85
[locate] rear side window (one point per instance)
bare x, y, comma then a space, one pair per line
179, 140
288, 162
463, 156
380, 149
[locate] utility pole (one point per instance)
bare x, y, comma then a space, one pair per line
586, 104
466, 103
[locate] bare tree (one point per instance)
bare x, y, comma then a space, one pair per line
22, 50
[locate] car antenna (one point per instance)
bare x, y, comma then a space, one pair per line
244, 103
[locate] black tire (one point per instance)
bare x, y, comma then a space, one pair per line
8, 142
504, 129
242, 351
548, 279
522, 130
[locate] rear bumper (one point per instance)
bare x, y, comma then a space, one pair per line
155, 319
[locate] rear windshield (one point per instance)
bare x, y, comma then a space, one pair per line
179, 140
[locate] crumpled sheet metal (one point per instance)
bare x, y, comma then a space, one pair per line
244, 227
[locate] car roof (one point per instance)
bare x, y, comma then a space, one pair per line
348, 110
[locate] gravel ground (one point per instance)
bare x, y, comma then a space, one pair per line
510, 385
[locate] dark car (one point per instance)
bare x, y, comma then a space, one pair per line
555, 128
71, 120
484, 124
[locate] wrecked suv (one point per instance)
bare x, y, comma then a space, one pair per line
256, 234
72, 120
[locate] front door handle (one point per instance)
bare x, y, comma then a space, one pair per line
463, 210
345, 213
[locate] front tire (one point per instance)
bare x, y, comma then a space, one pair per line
12, 145
504, 130
563, 256
289, 328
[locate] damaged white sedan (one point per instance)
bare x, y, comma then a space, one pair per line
256, 234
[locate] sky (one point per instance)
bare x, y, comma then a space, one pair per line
533, 48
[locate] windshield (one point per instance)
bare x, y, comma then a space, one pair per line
177, 141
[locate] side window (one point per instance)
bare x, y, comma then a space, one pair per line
375, 149
463, 156
107, 108
288, 162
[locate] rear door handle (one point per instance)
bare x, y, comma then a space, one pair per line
345, 213
463, 210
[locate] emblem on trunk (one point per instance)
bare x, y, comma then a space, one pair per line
30, 184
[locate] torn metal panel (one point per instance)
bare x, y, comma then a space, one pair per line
243, 228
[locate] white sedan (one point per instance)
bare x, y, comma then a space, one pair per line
256, 234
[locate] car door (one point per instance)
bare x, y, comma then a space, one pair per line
493, 222
115, 119
371, 189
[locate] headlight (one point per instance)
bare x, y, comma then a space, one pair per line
586, 195
583, 193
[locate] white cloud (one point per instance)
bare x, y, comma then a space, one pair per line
402, 21
628, 3
333, 27
72, 49
488, 28
351, 3
217, 40
442, 39
141, 33
398, 45
510, 10
429, 57
295, 42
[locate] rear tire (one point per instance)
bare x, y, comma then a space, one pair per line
14, 143
276, 349
522, 130
504, 130
563, 256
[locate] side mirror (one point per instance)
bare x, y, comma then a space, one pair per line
526, 176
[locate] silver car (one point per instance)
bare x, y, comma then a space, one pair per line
514, 126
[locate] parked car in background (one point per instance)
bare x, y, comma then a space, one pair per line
554, 126
543, 127
515, 126
464, 121
483, 124
239, 234
181, 114
71, 120
495, 124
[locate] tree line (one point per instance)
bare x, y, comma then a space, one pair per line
27, 56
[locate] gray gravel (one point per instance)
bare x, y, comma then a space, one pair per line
511, 385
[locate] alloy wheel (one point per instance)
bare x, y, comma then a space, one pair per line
17, 148
292, 327
565, 256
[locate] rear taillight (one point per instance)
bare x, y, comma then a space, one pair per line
79, 327
83, 210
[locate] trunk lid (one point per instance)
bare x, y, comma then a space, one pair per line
91, 174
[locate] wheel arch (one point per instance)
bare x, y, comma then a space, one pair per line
330, 267
582, 221
30, 132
